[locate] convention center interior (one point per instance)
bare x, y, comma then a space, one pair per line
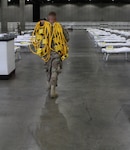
64, 74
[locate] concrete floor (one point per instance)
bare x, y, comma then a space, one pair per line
92, 111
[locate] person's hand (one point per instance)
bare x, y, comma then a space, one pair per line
41, 22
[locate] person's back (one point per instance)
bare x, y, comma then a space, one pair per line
50, 43
55, 63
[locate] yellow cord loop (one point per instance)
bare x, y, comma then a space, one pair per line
49, 38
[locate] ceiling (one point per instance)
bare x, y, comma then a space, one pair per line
42, 2
82, 1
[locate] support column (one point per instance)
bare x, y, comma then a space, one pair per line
36, 12
3, 16
22, 14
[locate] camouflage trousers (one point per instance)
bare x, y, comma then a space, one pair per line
53, 68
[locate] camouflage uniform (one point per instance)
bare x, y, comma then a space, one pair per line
54, 65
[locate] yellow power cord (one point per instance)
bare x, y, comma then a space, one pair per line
49, 38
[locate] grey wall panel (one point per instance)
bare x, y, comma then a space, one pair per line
47, 8
12, 13
28, 13
72, 12
125, 12
111, 13
0, 13
3, 15
64, 12
88, 12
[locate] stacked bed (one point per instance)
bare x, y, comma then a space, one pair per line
111, 41
19, 42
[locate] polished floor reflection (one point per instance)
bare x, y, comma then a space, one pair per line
92, 111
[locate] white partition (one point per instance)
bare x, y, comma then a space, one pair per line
30, 25
84, 25
7, 57
12, 26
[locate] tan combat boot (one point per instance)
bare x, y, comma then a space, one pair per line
53, 92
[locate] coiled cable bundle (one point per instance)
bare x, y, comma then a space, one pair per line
47, 38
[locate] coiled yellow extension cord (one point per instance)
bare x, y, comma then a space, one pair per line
49, 38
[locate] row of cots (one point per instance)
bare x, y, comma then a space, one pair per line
20, 41
111, 41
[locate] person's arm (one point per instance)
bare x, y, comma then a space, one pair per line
66, 34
